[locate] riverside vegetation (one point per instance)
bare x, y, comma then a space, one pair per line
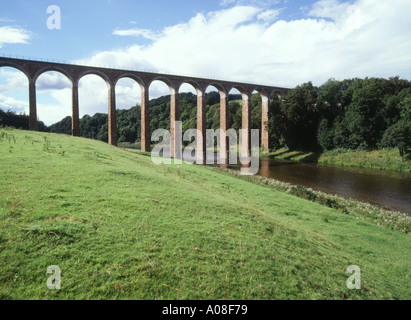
384, 159
120, 227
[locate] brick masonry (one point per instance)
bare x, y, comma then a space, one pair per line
33, 69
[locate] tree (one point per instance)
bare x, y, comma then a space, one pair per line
329, 100
398, 135
325, 135
301, 117
363, 117
20, 121
276, 123
63, 126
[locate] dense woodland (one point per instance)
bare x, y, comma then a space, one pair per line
366, 114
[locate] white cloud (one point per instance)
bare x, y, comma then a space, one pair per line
332, 9
337, 39
51, 112
268, 15
52, 81
7, 20
225, 3
134, 32
10, 103
255, 3
10, 34
12, 80
13, 91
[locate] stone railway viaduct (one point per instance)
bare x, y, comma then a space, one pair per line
33, 69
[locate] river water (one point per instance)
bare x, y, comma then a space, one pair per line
390, 190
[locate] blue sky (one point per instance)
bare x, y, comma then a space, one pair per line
87, 26
277, 42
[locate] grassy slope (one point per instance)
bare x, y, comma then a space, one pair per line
120, 227
377, 159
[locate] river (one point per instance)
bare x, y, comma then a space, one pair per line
387, 189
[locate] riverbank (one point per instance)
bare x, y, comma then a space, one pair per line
393, 220
120, 227
377, 159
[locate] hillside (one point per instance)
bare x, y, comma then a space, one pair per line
120, 227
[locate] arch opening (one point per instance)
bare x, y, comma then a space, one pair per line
235, 109
258, 112
187, 94
240, 118
93, 102
14, 98
92, 74
185, 111
159, 97
54, 93
217, 118
157, 116
212, 102
52, 70
128, 102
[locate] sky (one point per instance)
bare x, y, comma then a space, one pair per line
276, 42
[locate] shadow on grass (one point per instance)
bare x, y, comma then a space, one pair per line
303, 156
311, 158
294, 155
273, 155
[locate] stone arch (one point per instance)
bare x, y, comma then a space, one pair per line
17, 66
193, 83
130, 76
245, 92
171, 85
98, 73
278, 92
220, 87
54, 69
133, 77
262, 91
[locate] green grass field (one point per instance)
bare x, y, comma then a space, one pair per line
377, 159
120, 227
